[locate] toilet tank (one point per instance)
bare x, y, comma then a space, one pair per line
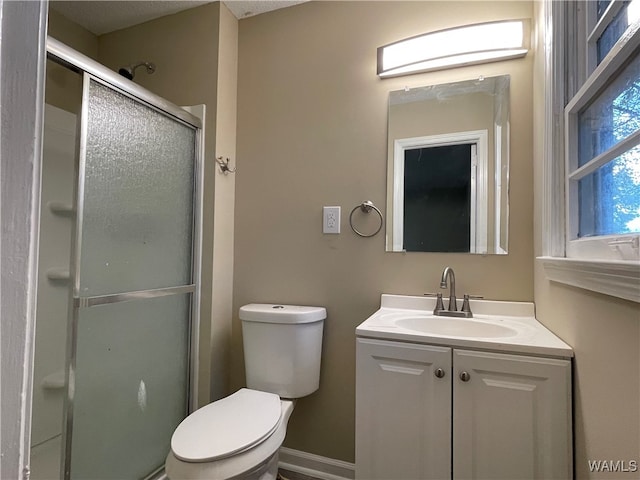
282, 347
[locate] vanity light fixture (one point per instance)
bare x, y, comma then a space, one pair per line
455, 47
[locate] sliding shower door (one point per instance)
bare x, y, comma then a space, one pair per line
134, 279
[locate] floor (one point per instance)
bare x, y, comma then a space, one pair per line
45, 463
288, 475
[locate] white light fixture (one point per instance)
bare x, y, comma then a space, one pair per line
455, 47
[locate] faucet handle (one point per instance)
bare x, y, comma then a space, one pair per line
465, 302
439, 303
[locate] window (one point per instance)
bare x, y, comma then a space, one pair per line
600, 75
603, 138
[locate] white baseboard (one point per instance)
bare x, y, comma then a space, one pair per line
315, 466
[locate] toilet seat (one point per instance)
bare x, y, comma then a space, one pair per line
227, 427
235, 466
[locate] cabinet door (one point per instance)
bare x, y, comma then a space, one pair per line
511, 417
403, 411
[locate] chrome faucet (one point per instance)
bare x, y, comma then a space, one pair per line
446, 273
449, 280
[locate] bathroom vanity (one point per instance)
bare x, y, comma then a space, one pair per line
441, 397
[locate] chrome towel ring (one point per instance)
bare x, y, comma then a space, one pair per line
366, 207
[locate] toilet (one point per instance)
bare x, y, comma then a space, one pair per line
239, 436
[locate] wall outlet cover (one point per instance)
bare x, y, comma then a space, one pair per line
331, 220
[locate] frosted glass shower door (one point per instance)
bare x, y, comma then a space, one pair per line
133, 286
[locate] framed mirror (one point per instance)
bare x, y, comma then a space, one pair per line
448, 168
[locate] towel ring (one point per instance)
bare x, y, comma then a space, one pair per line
366, 207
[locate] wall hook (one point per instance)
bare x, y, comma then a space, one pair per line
224, 165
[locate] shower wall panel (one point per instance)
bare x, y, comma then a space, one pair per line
56, 223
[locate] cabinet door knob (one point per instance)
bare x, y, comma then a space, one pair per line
465, 377
439, 373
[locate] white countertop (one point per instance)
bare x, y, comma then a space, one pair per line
530, 336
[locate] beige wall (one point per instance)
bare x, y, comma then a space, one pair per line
312, 131
605, 334
472, 111
223, 204
72, 34
63, 87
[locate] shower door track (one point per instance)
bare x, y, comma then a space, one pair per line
70, 58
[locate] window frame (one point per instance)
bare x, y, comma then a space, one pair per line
604, 246
592, 264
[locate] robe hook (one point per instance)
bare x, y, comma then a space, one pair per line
224, 165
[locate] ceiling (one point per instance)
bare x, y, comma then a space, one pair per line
243, 9
101, 17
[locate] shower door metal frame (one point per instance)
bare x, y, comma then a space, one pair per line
94, 71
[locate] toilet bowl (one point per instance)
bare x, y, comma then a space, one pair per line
229, 457
239, 436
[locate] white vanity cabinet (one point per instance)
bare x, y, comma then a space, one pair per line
438, 412
403, 410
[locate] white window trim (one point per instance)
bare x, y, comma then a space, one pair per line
616, 278
479, 182
611, 277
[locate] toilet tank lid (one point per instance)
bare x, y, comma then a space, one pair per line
274, 313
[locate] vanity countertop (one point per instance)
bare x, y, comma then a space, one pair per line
509, 327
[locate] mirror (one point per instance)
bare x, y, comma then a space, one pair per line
448, 167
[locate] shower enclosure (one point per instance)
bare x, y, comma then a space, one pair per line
118, 295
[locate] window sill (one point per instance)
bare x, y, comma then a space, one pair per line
616, 278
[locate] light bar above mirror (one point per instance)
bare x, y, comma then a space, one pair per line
455, 47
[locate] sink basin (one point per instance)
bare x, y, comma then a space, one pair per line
495, 326
455, 327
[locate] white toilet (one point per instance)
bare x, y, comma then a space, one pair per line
239, 436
